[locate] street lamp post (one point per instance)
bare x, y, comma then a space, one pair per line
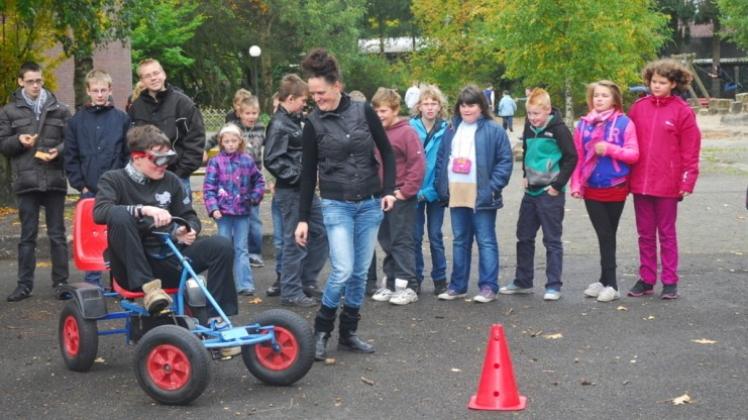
254, 52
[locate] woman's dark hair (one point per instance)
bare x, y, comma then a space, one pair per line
471, 95
320, 63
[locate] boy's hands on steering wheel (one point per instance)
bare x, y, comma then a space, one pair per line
184, 236
161, 217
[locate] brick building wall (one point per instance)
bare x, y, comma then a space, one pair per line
114, 58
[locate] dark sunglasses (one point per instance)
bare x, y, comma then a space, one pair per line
158, 159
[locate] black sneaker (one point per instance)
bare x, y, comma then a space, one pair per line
301, 301
274, 290
641, 289
669, 292
312, 291
440, 286
61, 293
21, 293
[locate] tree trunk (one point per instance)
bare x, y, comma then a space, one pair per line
569, 105
716, 55
82, 65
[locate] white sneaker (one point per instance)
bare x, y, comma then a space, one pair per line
608, 294
513, 289
552, 294
404, 297
382, 295
451, 295
594, 289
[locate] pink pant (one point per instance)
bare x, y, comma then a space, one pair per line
655, 217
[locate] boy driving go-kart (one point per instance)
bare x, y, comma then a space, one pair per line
143, 195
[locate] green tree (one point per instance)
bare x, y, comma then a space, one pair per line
734, 17
563, 45
161, 29
460, 47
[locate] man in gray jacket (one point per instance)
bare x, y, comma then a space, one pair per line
31, 136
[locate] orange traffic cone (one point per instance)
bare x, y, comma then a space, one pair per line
497, 389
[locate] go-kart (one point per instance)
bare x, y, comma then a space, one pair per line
174, 347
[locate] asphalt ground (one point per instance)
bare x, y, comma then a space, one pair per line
575, 358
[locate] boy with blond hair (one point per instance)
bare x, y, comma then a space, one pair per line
95, 141
396, 230
549, 160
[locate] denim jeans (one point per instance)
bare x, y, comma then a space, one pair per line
254, 234
481, 225
235, 228
535, 212
277, 233
351, 233
187, 187
28, 211
432, 215
301, 265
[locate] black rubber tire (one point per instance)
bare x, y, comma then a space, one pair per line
78, 338
194, 357
297, 333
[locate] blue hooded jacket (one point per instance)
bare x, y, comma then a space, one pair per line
431, 151
493, 154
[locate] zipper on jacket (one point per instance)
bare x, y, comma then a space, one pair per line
651, 140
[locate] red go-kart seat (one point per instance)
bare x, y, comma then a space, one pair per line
89, 243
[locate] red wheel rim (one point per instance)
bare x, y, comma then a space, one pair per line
282, 359
168, 367
71, 336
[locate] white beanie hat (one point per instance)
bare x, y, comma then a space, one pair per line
230, 128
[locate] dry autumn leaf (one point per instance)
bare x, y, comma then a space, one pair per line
367, 381
704, 341
553, 336
456, 370
683, 399
622, 308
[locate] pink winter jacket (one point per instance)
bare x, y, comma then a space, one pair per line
621, 146
669, 144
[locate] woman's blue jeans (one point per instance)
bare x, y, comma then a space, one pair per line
352, 228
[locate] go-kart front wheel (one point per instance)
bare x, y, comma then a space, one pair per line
171, 365
78, 337
293, 357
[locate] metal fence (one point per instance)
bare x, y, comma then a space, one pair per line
214, 118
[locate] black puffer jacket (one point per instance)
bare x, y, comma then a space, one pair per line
178, 117
29, 173
283, 148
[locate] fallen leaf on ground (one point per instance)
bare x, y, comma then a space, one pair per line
255, 301
43, 264
99, 360
649, 318
456, 370
622, 308
553, 336
586, 382
509, 312
367, 381
683, 399
704, 341
330, 361
338, 401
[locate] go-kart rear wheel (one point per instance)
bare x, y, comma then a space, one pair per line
295, 355
171, 365
79, 339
